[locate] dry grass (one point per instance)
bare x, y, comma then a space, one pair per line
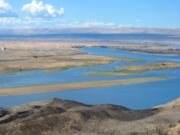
89, 123
155, 66
30, 56
57, 125
151, 49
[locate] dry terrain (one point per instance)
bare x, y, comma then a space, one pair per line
151, 49
155, 66
61, 117
58, 56
58, 117
22, 56
133, 69
73, 86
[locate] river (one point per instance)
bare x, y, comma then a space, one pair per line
134, 96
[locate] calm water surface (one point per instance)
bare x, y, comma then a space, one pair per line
135, 96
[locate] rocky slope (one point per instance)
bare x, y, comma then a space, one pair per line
62, 117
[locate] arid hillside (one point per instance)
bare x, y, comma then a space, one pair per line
61, 117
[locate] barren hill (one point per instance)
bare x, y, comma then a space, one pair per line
55, 117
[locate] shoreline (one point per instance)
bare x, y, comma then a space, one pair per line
35, 89
57, 62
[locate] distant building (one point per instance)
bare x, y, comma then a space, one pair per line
3, 48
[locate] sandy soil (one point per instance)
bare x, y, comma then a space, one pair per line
73, 86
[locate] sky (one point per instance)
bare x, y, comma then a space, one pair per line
28, 14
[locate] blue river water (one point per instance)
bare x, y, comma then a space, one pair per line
134, 96
172, 45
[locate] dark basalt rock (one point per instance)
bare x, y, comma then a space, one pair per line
56, 106
3, 112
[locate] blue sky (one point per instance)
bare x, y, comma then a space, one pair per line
89, 13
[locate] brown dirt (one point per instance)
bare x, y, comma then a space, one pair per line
55, 117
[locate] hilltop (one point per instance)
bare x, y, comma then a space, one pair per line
55, 116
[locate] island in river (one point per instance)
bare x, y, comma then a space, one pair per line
73, 86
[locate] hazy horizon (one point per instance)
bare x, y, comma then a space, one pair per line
160, 31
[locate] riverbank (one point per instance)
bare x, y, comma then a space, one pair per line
155, 66
151, 49
113, 73
133, 69
51, 56
73, 86
61, 55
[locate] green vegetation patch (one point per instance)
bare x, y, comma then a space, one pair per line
60, 69
112, 72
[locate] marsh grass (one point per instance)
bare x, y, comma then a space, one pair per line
154, 66
111, 72
61, 69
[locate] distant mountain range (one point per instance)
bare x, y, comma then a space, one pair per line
173, 32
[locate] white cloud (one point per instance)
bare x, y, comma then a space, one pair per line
110, 24
28, 22
95, 23
4, 5
61, 11
138, 20
88, 24
125, 25
6, 10
38, 9
70, 24
9, 20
